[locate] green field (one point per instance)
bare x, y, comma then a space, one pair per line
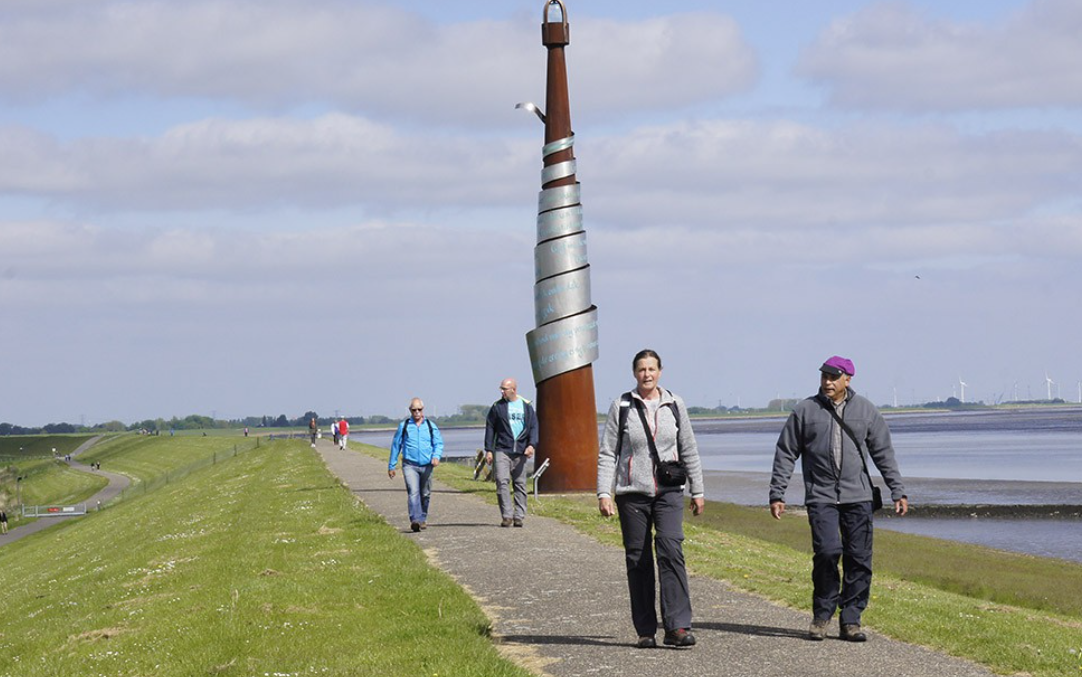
258, 565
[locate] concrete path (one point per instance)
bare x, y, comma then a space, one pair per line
559, 600
117, 484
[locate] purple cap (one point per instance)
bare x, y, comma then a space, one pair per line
837, 366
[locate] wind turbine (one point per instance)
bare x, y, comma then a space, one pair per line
1049, 381
963, 384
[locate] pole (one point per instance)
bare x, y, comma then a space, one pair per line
564, 344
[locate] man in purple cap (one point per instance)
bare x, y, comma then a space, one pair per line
829, 433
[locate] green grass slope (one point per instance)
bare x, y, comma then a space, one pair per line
260, 565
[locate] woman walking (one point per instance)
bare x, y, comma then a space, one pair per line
647, 455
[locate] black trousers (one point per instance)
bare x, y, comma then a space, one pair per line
841, 532
664, 515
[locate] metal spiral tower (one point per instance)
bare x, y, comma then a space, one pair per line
564, 344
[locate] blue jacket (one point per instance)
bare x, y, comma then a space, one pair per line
498, 429
422, 444
807, 436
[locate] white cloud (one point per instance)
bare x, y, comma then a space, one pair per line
890, 56
363, 57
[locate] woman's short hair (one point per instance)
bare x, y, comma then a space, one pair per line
646, 352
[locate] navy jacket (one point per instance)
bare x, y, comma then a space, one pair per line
498, 429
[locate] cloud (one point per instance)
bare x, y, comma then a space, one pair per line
889, 56
701, 174
360, 57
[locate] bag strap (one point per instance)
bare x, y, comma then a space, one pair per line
852, 436
626, 402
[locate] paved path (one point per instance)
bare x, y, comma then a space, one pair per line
559, 600
117, 484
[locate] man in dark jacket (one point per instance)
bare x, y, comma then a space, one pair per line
829, 432
510, 438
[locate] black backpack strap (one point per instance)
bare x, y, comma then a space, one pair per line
621, 425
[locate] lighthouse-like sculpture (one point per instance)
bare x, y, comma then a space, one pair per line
563, 346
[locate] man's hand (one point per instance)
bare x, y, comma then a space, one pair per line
697, 506
435, 462
529, 451
777, 509
390, 473
488, 457
901, 506
605, 506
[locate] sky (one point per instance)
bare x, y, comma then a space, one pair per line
259, 208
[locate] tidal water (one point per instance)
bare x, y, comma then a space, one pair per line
997, 458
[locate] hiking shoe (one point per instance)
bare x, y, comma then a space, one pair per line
415, 526
646, 643
851, 632
818, 630
679, 637
424, 525
517, 522
506, 522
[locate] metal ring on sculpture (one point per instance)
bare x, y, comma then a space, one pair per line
559, 222
563, 345
560, 256
560, 196
561, 296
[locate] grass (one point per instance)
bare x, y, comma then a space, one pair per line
1013, 613
47, 479
259, 565
146, 458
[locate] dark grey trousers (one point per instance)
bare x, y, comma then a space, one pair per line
664, 515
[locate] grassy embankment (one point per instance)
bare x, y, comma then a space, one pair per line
1013, 613
263, 564
47, 479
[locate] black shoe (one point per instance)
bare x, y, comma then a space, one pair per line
679, 637
818, 630
517, 522
506, 522
646, 643
416, 526
851, 632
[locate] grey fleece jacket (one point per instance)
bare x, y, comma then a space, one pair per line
807, 435
633, 472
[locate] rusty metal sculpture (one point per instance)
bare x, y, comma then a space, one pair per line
563, 346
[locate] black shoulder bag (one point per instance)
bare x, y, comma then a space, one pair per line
877, 494
668, 473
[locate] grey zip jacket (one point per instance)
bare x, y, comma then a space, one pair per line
807, 435
633, 472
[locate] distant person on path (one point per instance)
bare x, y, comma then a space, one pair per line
510, 441
343, 433
419, 443
334, 431
3, 522
313, 430
647, 431
828, 432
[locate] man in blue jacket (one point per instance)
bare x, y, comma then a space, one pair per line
510, 439
829, 432
419, 443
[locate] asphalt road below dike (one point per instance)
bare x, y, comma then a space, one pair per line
559, 602
117, 484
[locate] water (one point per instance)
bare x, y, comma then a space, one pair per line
1012, 458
